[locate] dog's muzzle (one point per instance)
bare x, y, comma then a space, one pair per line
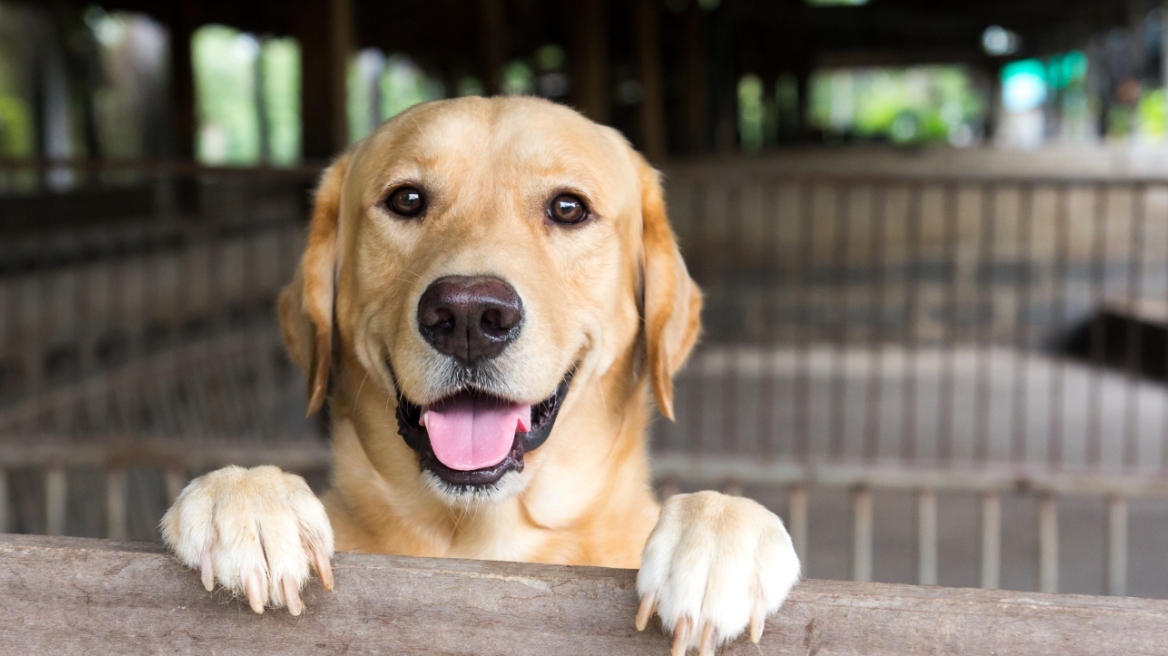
472, 438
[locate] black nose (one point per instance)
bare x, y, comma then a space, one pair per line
470, 318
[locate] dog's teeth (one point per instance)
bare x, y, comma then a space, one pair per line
422, 421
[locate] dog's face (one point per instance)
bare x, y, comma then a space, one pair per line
482, 260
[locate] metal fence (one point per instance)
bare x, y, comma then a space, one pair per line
959, 346
928, 320
154, 321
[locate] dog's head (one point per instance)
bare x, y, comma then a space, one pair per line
481, 259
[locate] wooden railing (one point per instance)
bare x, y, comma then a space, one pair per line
75, 596
178, 460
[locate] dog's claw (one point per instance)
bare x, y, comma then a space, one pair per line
680, 637
645, 611
323, 567
757, 620
709, 636
255, 593
292, 596
207, 570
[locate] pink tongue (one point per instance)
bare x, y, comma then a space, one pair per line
473, 432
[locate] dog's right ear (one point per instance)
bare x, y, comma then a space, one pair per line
306, 304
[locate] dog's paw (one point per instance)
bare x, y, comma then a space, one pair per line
713, 564
257, 531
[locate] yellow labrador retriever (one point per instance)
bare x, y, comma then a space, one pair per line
489, 295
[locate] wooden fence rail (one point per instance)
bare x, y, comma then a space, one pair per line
178, 460
77, 596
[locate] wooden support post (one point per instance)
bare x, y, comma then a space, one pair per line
184, 20
67, 596
695, 103
591, 81
325, 32
494, 45
652, 109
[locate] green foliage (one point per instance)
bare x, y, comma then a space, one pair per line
227, 66
281, 62
16, 121
1151, 112
224, 63
751, 114
907, 105
518, 78
16, 137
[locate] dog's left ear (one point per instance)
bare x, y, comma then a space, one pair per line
306, 304
672, 305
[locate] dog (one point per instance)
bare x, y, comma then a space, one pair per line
490, 298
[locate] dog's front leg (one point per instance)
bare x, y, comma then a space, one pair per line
714, 564
258, 532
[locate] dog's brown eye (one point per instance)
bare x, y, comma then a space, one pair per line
568, 209
406, 202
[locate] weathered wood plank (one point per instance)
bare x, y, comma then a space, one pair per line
78, 596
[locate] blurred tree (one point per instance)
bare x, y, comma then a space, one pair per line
225, 88
904, 105
17, 125
281, 99
751, 114
247, 97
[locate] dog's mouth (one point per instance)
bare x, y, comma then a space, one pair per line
472, 438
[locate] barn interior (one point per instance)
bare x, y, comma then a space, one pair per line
933, 235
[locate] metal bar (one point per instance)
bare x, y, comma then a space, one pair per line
874, 387
1097, 336
927, 537
1057, 424
56, 500
839, 317
1048, 549
719, 172
1134, 332
803, 257
733, 292
115, 503
1117, 546
862, 535
768, 390
985, 272
991, 541
694, 425
797, 516
945, 396
1021, 387
711, 470
909, 417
